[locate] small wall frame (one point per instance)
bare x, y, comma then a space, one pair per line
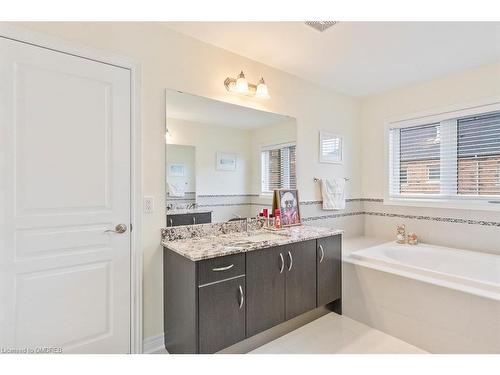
330, 148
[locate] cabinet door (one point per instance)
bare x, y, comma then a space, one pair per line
300, 278
180, 219
329, 269
221, 312
203, 218
265, 276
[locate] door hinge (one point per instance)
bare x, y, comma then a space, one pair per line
131, 227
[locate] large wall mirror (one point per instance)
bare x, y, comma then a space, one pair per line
223, 160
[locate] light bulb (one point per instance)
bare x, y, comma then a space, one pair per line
241, 84
262, 91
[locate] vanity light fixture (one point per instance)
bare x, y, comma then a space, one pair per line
240, 85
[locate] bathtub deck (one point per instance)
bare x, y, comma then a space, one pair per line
336, 334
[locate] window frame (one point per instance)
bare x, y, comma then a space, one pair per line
264, 193
446, 116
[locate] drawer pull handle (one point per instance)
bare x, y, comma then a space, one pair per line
223, 268
171, 222
194, 220
322, 253
282, 267
242, 296
291, 261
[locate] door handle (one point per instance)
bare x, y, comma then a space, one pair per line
282, 267
120, 228
322, 253
242, 296
291, 261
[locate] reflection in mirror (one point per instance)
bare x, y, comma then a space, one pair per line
223, 160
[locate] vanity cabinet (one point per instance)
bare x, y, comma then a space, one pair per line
174, 220
214, 303
329, 268
300, 278
265, 289
222, 314
281, 284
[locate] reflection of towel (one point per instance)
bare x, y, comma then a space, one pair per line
333, 191
176, 190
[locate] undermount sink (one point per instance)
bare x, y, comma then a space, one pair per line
252, 239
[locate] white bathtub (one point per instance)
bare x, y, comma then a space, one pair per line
469, 271
443, 300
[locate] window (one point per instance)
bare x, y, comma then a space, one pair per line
454, 158
403, 175
478, 154
433, 173
278, 168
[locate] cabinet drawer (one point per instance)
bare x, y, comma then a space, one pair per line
220, 268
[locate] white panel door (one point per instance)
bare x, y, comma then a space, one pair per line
65, 180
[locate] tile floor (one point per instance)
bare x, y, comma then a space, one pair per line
336, 334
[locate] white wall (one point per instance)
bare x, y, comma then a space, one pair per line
209, 139
183, 155
171, 60
458, 89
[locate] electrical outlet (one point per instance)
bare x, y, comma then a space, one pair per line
149, 205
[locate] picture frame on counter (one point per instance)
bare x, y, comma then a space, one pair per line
287, 201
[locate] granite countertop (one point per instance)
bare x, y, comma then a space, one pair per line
213, 246
183, 211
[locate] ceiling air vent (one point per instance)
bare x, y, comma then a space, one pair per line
320, 25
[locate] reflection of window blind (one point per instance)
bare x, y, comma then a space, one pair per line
452, 158
278, 168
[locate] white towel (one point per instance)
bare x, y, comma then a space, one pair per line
333, 192
176, 190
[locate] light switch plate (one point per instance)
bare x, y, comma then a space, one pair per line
149, 205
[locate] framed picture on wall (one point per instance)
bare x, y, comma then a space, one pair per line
176, 170
287, 200
225, 161
330, 148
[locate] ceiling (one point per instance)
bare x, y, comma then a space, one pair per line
356, 58
195, 108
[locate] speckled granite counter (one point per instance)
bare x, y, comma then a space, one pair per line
227, 243
184, 211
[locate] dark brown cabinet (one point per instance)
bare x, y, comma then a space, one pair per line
281, 284
300, 278
214, 303
329, 268
175, 220
265, 289
222, 314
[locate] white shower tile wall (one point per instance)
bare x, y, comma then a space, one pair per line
181, 202
226, 207
468, 229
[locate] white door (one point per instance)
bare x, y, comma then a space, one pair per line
64, 181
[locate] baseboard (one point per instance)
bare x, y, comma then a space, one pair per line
153, 344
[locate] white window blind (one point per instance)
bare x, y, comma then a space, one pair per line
456, 158
278, 168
